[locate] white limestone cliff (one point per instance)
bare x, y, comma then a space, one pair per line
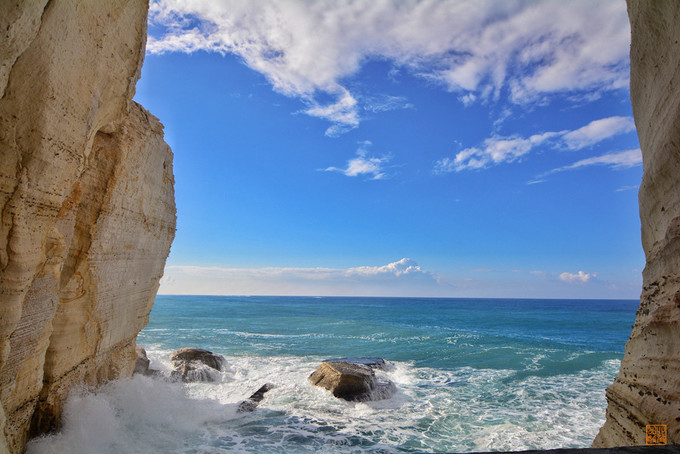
647, 389
87, 211
87, 203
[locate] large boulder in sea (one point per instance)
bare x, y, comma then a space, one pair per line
371, 361
352, 381
197, 365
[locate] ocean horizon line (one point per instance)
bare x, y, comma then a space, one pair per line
473, 298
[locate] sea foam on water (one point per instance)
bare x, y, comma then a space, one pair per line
434, 410
491, 375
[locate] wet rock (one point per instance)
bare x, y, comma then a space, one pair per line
142, 363
251, 403
371, 361
351, 381
196, 365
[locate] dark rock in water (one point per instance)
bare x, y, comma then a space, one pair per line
142, 363
252, 402
206, 357
351, 381
371, 361
196, 365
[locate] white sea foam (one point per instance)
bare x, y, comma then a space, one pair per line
137, 415
464, 409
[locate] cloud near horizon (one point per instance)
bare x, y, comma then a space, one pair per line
580, 277
484, 51
403, 277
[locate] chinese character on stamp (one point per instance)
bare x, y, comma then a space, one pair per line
656, 434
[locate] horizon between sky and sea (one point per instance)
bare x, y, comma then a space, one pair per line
413, 148
449, 185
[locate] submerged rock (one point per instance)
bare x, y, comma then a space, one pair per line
253, 401
196, 365
353, 381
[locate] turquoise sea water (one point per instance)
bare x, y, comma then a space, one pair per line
472, 375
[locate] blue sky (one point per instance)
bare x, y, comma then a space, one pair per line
413, 148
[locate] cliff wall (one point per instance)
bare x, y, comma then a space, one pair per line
647, 389
87, 210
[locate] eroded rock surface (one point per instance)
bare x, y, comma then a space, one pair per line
351, 381
251, 403
647, 389
87, 205
197, 365
142, 362
370, 361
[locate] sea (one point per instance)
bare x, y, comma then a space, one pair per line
471, 375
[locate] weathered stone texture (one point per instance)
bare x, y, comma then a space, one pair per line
353, 381
86, 198
647, 389
193, 364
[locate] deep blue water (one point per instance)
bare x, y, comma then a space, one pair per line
441, 333
472, 374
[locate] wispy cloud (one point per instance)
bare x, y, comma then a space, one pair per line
393, 278
597, 131
364, 164
495, 150
628, 188
616, 160
506, 149
482, 50
577, 277
384, 103
342, 113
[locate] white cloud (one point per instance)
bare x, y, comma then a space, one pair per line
402, 278
364, 164
385, 103
482, 50
628, 188
578, 277
616, 160
596, 131
403, 266
342, 114
392, 279
503, 149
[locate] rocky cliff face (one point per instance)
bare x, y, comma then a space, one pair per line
647, 389
86, 198
87, 212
